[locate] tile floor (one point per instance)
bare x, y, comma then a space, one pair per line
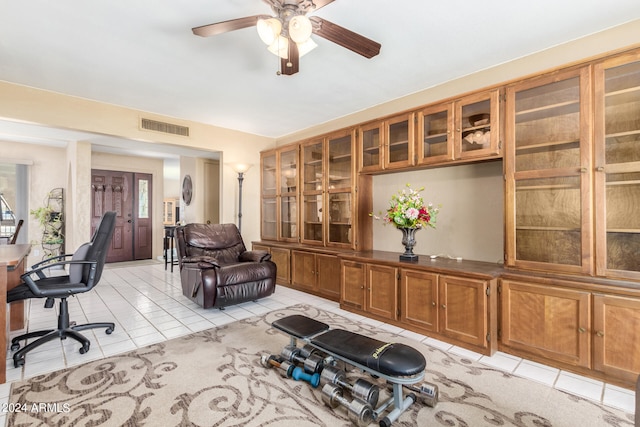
148, 307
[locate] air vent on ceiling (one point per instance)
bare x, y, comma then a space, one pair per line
157, 126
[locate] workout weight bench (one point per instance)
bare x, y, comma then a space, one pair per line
400, 365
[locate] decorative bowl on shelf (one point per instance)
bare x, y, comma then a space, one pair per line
479, 119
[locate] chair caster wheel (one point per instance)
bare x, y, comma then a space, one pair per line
18, 362
15, 347
84, 349
109, 331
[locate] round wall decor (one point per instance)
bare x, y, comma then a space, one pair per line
187, 189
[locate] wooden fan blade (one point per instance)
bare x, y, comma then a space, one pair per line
291, 65
226, 26
345, 38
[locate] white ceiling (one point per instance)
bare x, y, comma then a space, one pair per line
142, 54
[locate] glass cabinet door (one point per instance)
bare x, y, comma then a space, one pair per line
312, 192
477, 122
399, 141
269, 221
617, 166
370, 147
547, 178
340, 178
340, 218
435, 137
289, 194
340, 162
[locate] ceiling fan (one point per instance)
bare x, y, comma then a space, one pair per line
288, 33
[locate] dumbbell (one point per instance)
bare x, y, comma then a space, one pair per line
309, 357
428, 392
359, 412
290, 370
361, 389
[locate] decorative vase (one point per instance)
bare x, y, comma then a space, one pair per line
409, 241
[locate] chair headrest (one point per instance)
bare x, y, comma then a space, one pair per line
212, 236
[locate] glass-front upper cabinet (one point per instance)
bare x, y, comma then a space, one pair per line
617, 166
328, 170
340, 176
288, 177
312, 191
268, 183
399, 141
477, 119
548, 135
370, 143
435, 134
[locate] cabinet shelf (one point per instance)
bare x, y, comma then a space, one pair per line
621, 183
558, 145
340, 157
624, 230
398, 144
548, 111
548, 187
621, 134
626, 92
545, 228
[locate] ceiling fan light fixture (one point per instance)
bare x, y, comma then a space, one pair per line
280, 47
306, 47
269, 30
300, 29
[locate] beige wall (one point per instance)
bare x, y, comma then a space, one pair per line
47, 171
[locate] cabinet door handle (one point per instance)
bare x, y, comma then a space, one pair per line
433, 303
600, 168
443, 306
600, 333
582, 330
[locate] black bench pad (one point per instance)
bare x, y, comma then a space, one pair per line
300, 326
392, 359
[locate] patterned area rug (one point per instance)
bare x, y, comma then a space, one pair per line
214, 378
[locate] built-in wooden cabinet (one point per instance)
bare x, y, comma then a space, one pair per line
547, 321
617, 166
573, 325
548, 173
387, 144
370, 288
419, 299
281, 257
328, 190
571, 141
464, 129
616, 347
279, 194
316, 273
456, 308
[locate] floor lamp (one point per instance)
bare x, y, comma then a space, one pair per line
241, 169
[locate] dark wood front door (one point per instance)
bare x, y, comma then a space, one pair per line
129, 195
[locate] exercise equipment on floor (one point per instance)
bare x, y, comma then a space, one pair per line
401, 366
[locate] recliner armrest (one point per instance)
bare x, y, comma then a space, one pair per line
254, 256
200, 261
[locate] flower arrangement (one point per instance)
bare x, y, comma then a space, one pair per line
407, 209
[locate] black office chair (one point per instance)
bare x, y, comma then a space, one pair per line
85, 269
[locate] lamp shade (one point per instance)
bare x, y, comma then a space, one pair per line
306, 47
280, 47
269, 30
300, 28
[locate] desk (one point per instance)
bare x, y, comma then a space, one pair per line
12, 259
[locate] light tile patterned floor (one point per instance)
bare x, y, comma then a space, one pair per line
147, 305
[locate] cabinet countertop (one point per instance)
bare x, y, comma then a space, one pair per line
479, 269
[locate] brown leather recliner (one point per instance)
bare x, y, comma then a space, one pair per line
216, 270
